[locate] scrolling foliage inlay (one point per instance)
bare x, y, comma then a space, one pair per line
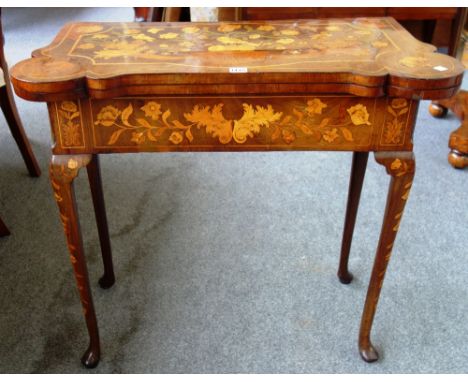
69, 120
313, 119
395, 128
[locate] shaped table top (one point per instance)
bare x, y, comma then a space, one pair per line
364, 56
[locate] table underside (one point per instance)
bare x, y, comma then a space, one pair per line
226, 123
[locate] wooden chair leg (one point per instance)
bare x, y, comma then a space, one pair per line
148, 14
400, 166
142, 14
3, 229
94, 176
458, 141
358, 170
458, 144
11, 115
437, 110
63, 170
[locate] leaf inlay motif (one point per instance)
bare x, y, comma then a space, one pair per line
153, 122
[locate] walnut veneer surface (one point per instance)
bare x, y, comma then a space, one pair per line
336, 84
368, 57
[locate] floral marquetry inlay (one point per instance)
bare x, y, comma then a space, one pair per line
414, 62
363, 57
396, 121
161, 122
69, 122
142, 43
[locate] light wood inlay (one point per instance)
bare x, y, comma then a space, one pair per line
106, 59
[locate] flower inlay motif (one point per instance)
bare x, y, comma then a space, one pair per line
393, 131
69, 122
149, 43
153, 122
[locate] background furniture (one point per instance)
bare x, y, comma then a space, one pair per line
149, 14
8, 106
458, 141
458, 104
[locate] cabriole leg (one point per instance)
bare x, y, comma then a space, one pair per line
95, 183
63, 170
358, 170
400, 166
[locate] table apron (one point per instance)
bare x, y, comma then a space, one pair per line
226, 123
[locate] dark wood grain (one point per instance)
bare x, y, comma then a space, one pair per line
255, 123
63, 171
399, 13
148, 14
95, 184
400, 166
358, 170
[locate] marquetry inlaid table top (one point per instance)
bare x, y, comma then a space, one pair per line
367, 57
336, 84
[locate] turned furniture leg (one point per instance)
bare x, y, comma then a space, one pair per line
94, 176
400, 166
142, 14
3, 229
63, 170
148, 14
17, 130
437, 110
458, 142
358, 170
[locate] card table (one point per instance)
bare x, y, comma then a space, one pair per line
332, 85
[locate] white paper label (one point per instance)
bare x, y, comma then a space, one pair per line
440, 68
238, 69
